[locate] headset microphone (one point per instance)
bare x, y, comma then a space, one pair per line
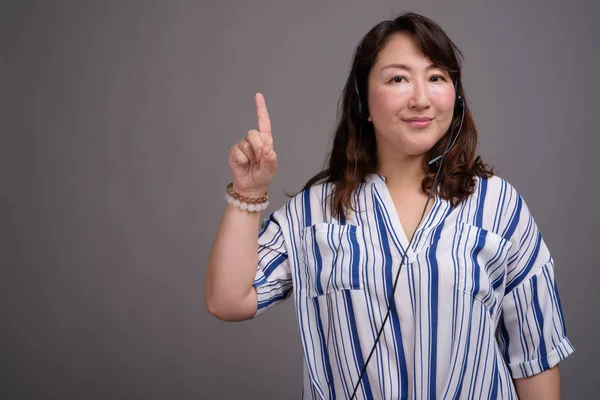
460, 103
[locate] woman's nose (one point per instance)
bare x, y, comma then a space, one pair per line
419, 98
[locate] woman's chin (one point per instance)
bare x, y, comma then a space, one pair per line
418, 147
412, 144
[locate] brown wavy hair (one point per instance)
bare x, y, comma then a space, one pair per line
354, 154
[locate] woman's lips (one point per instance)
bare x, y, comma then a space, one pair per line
419, 122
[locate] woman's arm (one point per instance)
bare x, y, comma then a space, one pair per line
229, 293
542, 386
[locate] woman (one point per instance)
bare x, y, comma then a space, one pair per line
460, 304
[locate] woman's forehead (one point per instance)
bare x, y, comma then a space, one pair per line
401, 52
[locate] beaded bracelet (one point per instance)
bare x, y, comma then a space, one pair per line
246, 203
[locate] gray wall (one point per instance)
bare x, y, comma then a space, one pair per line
117, 118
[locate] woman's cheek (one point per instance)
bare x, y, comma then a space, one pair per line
388, 107
384, 101
448, 98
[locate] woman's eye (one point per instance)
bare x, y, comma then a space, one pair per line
438, 78
397, 79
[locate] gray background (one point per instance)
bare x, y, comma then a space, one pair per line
117, 118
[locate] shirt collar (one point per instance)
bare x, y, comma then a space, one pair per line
374, 178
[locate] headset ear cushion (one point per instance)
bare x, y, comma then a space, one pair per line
459, 104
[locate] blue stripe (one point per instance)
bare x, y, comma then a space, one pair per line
347, 374
465, 359
559, 309
276, 262
531, 262
355, 260
495, 379
342, 219
334, 342
515, 220
324, 352
506, 339
499, 208
266, 303
481, 203
318, 262
433, 310
306, 209
478, 346
522, 306
393, 318
540, 322
477, 271
365, 384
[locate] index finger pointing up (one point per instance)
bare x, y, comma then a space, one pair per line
264, 122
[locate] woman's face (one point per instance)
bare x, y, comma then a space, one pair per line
411, 102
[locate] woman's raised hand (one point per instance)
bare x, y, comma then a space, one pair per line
253, 160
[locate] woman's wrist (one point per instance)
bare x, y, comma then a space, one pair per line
251, 200
254, 193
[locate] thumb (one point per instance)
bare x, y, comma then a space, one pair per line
267, 151
269, 158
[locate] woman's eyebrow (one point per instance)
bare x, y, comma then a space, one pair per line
406, 67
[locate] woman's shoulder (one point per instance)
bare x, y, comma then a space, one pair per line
314, 205
307, 207
495, 205
493, 189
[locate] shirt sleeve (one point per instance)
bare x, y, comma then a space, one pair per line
273, 280
531, 332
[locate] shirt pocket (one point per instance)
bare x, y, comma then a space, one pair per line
333, 258
473, 260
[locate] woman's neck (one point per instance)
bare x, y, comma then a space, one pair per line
402, 173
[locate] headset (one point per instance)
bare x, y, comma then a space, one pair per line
459, 107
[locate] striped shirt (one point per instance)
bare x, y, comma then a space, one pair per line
476, 303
